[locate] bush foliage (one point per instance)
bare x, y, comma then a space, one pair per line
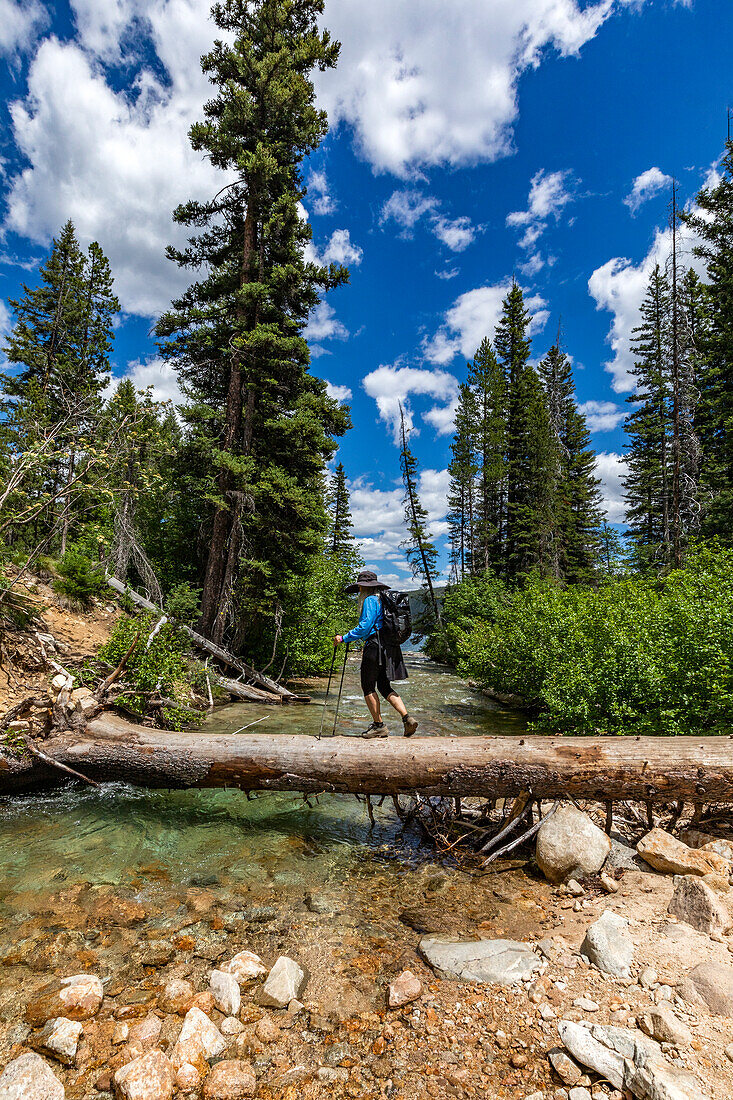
160, 665
80, 579
640, 654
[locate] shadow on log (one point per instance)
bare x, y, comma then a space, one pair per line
648, 769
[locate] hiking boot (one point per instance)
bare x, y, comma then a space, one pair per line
377, 729
410, 725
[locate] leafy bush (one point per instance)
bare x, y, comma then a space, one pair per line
159, 665
638, 655
315, 609
475, 600
182, 603
80, 579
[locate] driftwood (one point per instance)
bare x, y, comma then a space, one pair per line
646, 769
247, 692
221, 655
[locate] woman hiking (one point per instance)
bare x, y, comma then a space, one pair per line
381, 660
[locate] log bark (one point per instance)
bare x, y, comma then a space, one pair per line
248, 693
650, 769
216, 650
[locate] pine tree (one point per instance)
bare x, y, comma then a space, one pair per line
529, 447
693, 326
576, 497
489, 389
340, 536
461, 493
712, 223
264, 426
419, 547
61, 342
611, 550
648, 481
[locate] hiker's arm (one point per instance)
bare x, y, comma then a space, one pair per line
369, 613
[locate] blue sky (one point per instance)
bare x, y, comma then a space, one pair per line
471, 140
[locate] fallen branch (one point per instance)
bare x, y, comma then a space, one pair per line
61, 767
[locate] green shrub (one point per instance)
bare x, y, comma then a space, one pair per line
160, 664
638, 655
182, 603
80, 579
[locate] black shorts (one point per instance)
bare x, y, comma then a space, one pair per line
374, 671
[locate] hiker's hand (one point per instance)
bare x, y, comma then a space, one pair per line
338, 640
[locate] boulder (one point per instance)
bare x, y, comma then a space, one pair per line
188, 1079
404, 989
629, 1061
665, 853
623, 858
176, 996
60, 1038
225, 991
74, 998
661, 1023
284, 983
246, 967
150, 1077
608, 945
490, 962
147, 1032
230, 1080
694, 902
30, 1078
567, 1070
189, 1052
711, 985
570, 845
198, 1026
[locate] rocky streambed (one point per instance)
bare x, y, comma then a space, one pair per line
431, 984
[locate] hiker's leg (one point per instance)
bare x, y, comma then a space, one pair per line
395, 700
373, 703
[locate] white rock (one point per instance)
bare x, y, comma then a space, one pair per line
29, 1078
570, 845
695, 903
608, 945
150, 1077
231, 1026
284, 983
60, 1037
198, 1026
225, 989
491, 962
629, 1061
585, 1004
246, 967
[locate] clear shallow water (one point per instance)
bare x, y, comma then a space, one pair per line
159, 841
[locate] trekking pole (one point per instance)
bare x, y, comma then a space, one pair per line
341, 688
328, 690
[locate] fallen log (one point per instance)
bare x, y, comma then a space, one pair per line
247, 692
649, 769
221, 655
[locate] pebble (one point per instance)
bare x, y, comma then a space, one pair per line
230, 1080
60, 1038
284, 983
225, 991
580, 1093
231, 1026
585, 1004
404, 989
648, 977
176, 996
574, 888
608, 883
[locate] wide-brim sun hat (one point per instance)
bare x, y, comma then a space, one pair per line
366, 579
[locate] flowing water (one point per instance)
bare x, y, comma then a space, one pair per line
274, 872
113, 836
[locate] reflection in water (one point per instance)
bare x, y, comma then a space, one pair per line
121, 835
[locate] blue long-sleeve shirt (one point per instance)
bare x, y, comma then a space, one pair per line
370, 620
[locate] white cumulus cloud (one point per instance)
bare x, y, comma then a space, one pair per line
392, 385
339, 393
473, 316
436, 82
611, 468
408, 206
20, 24
548, 196
153, 372
322, 201
645, 187
602, 416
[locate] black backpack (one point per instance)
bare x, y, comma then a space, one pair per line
397, 617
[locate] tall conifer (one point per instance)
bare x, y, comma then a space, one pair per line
462, 489
265, 426
648, 481
419, 546
712, 222
340, 536
489, 388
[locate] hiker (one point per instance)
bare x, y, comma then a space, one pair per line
381, 660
